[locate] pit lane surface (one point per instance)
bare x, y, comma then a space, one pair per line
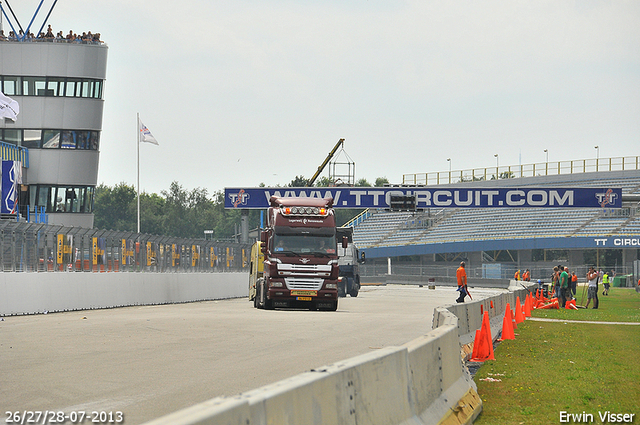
153, 360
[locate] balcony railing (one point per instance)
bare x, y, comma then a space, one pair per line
524, 170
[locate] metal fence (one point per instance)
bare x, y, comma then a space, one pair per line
38, 247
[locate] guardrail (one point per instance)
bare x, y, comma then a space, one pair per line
525, 170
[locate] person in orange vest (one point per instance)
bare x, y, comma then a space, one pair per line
517, 275
526, 276
574, 283
461, 275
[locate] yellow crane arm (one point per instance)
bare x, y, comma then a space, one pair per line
326, 161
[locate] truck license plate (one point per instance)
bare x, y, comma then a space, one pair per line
304, 298
305, 293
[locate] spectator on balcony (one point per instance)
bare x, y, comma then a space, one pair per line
49, 33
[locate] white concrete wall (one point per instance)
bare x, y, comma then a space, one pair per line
29, 293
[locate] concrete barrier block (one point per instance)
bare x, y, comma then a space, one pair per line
425, 367
441, 388
372, 388
308, 398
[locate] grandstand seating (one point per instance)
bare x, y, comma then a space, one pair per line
384, 228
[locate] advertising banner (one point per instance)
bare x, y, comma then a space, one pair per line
98, 248
64, 250
195, 255
379, 197
11, 179
152, 253
213, 257
175, 255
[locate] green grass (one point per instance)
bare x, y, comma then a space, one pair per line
573, 367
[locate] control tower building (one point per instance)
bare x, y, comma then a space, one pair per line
59, 86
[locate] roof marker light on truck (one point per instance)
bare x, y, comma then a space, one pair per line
321, 211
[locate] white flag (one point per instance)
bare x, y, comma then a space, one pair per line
9, 108
145, 134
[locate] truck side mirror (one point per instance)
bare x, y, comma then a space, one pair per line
345, 242
264, 241
362, 257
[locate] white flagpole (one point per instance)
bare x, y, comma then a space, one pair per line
138, 148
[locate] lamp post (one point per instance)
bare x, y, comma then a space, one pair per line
449, 161
546, 166
497, 166
597, 156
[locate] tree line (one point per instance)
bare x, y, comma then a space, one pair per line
186, 213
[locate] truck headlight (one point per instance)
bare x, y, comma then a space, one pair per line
331, 286
276, 284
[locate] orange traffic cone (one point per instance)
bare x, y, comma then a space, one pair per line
514, 323
518, 308
527, 306
552, 304
571, 305
476, 344
507, 325
483, 344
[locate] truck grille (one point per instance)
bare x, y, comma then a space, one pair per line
303, 283
304, 268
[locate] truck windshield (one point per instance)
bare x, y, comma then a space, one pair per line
305, 244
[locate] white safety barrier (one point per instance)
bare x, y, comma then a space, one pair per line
29, 293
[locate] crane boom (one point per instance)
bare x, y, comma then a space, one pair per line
326, 161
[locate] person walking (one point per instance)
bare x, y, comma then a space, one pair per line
461, 275
592, 290
565, 289
605, 282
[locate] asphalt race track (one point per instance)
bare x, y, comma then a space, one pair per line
152, 360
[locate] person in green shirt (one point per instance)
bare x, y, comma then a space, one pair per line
564, 287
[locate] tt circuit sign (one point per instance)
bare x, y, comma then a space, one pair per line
370, 197
617, 242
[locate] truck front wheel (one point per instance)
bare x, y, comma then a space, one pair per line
355, 287
342, 287
257, 300
267, 304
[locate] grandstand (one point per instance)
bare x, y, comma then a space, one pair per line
470, 232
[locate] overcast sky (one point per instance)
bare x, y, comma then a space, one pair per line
240, 93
